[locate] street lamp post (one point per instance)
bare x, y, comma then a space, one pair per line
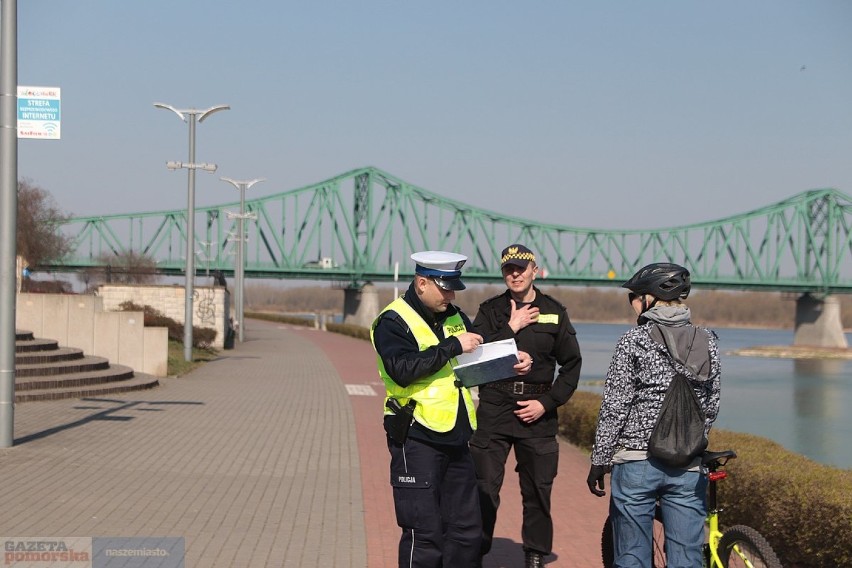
8, 214
194, 115
239, 272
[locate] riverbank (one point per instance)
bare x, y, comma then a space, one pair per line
794, 352
713, 308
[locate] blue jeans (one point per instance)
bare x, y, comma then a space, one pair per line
636, 487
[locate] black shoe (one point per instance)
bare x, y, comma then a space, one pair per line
533, 560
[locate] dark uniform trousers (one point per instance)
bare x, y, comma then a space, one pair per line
538, 462
437, 505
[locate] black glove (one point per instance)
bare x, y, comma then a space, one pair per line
596, 478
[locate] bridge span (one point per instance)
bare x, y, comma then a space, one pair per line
361, 227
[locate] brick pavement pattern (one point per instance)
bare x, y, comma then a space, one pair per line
272, 455
252, 459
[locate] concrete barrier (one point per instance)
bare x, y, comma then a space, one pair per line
153, 340
79, 321
107, 335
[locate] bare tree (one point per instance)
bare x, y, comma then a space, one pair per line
125, 268
38, 238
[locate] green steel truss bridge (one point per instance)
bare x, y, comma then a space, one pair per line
362, 226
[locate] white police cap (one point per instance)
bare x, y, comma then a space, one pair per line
443, 267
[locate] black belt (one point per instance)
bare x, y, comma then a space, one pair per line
518, 387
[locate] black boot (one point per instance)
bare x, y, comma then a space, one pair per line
533, 560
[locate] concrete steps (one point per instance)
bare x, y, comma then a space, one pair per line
45, 371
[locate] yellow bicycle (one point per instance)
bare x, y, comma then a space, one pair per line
738, 546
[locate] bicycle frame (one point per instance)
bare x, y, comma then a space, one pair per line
714, 537
714, 534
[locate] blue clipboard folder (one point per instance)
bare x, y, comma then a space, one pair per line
489, 362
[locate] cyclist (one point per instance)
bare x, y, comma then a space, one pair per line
636, 384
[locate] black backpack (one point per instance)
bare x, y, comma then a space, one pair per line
678, 436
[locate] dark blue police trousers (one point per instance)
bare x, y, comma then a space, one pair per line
437, 505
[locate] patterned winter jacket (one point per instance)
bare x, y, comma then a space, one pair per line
636, 384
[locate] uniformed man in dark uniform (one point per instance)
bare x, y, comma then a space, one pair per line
522, 414
430, 416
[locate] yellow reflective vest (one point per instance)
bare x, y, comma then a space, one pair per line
437, 395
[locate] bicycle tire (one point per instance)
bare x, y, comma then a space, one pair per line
607, 544
741, 543
658, 546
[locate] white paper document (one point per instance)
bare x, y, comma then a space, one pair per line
489, 362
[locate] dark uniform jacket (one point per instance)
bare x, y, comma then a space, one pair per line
551, 341
405, 363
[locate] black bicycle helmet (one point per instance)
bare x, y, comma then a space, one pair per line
662, 280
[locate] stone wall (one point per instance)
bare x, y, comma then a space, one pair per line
211, 305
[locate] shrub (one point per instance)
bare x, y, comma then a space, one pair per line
281, 318
804, 509
342, 328
579, 418
202, 337
348, 329
355, 331
46, 286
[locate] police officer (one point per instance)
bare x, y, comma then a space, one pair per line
430, 416
522, 414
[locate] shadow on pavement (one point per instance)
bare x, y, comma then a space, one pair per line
103, 415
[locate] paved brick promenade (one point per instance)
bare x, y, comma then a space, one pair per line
272, 455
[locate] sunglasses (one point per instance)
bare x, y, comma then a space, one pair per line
631, 296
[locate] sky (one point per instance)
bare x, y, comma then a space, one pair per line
610, 115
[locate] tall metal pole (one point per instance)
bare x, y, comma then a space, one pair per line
239, 269
241, 265
189, 287
190, 212
8, 214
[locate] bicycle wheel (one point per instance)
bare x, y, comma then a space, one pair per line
658, 546
607, 544
742, 546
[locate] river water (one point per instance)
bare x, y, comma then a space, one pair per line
804, 405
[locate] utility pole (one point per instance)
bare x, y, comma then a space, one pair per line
8, 214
